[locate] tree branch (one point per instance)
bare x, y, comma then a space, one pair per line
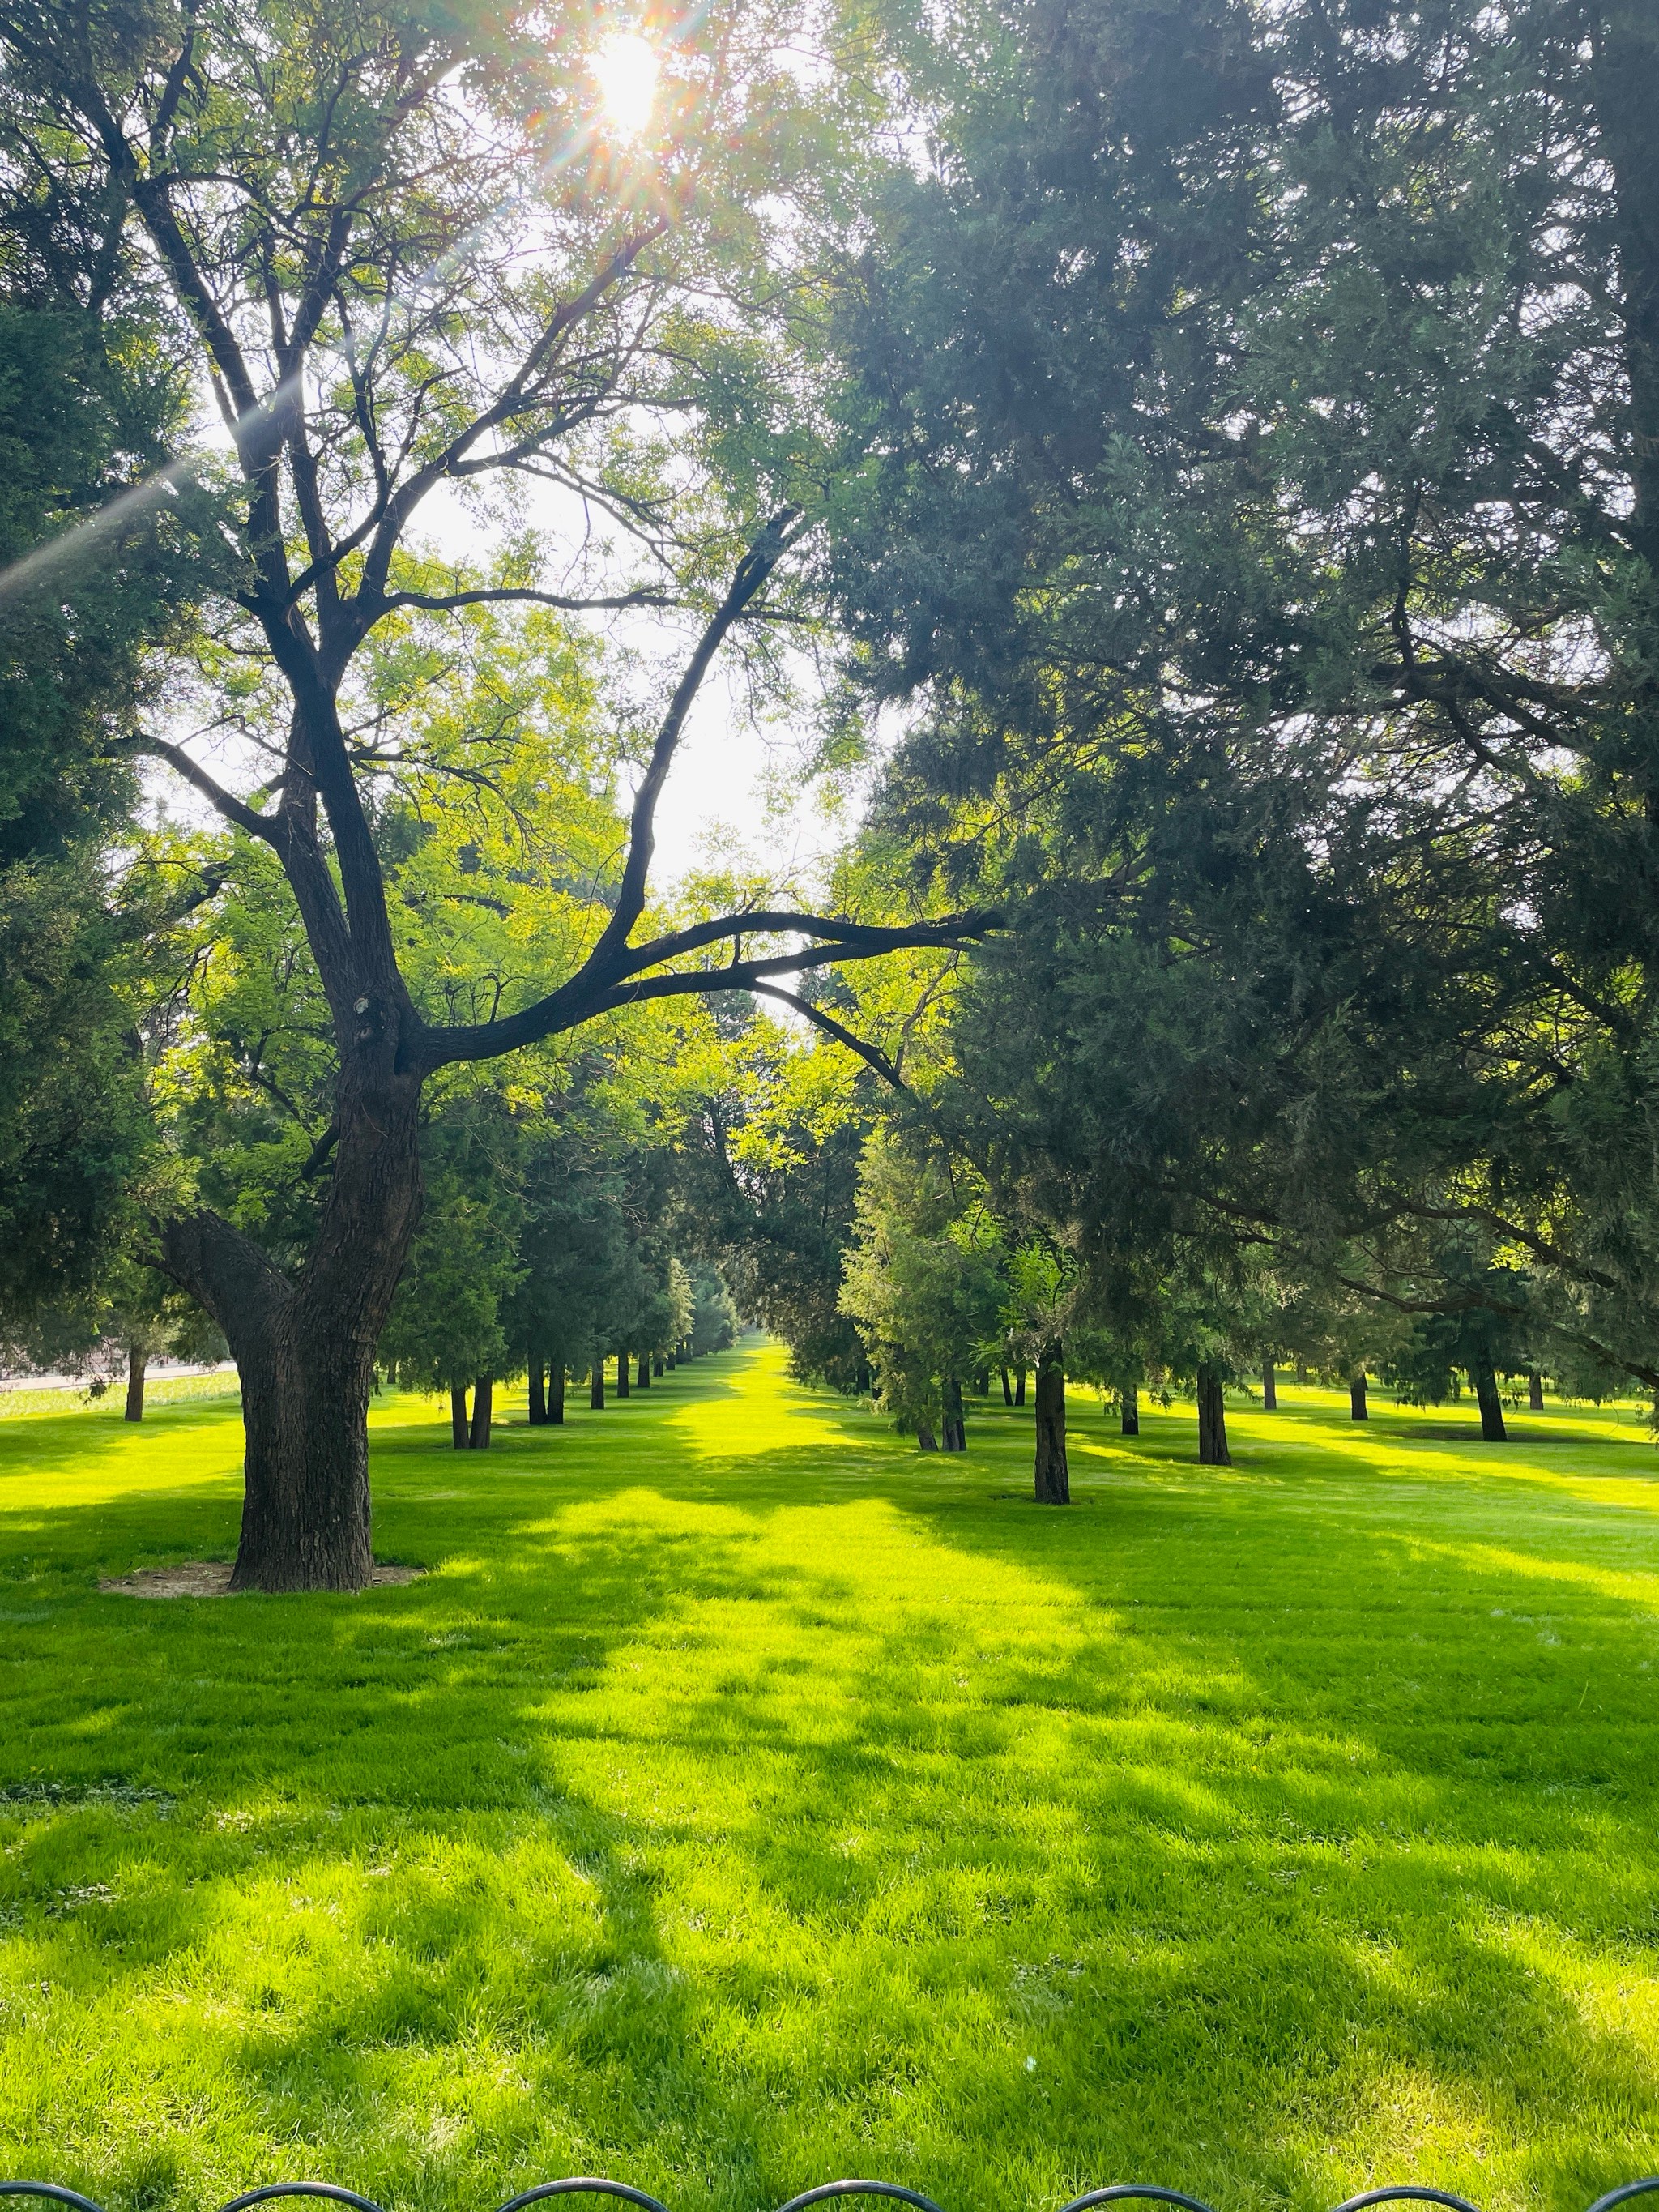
446, 602
587, 994
872, 1054
748, 579
267, 828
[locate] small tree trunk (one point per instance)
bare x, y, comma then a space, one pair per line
955, 1427
1357, 1409
1129, 1411
670, 1360
596, 1385
483, 1407
1492, 1431
537, 1394
925, 1436
1269, 1387
643, 1379
1019, 1386
138, 1364
622, 1374
1212, 1420
457, 1422
1052, 1478
1535, 1392
659, 1363
1007, 1387
555, 1395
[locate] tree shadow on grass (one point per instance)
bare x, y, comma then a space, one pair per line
726, 1822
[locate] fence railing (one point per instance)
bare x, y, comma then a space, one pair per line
588, 2184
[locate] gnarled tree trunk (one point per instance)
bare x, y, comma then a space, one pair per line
1052, 1477
1211, 1418
304, 1344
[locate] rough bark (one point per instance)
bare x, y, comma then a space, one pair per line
1492, 1431
643, 1379
925, 1436
1051, 1478
555, 1394
137, 1365
458, 1426
1269, 1387
1357, 1409
1535, 1392
1128, 1402
483, 1410
304, 1344
1212, 1420
537, 1391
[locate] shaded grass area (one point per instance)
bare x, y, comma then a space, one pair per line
742, 1799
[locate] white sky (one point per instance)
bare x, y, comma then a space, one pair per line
737, 793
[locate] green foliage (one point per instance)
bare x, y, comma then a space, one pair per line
715, 1320
447, 1323
1262, 539
924, 1278
82, 400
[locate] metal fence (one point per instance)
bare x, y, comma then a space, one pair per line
588, 2184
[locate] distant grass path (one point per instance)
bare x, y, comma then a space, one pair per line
743, 1799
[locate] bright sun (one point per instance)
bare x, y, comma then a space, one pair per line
626, 68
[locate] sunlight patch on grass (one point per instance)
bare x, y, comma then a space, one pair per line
745, 1799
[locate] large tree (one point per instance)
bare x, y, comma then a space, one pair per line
408, 259
1263, 539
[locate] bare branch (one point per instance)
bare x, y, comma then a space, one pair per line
443, 602
872, 1054
588, 994
749, 578
267, 828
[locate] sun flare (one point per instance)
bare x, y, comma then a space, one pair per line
626, 68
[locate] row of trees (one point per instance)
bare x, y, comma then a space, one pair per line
1223, 485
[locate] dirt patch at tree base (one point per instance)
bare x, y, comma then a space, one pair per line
211, 1578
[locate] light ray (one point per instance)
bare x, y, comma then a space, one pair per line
36, 566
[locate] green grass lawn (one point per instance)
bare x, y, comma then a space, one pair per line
742, 1799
